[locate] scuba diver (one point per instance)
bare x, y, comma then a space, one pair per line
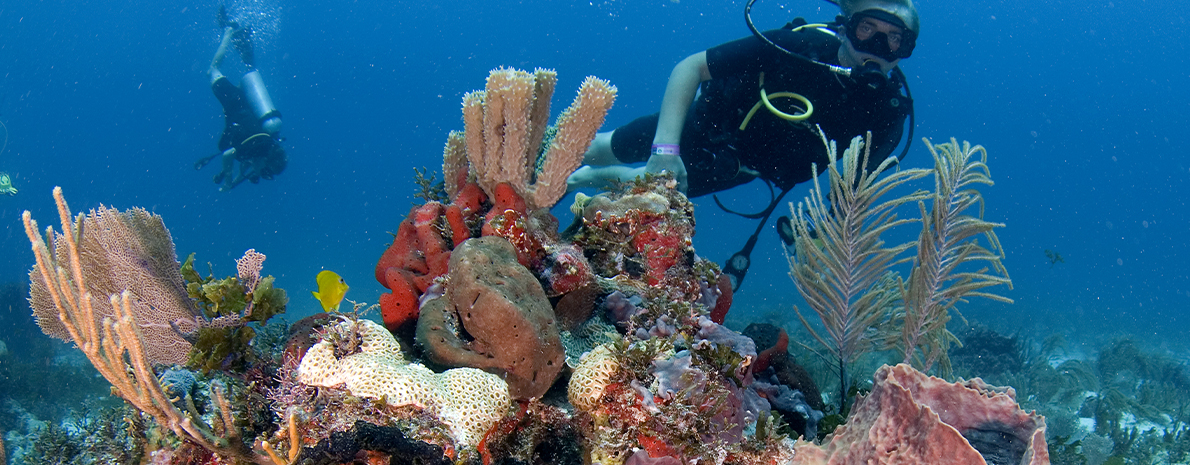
757, 104
252, 125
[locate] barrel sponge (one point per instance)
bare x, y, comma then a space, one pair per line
467, 400
592, 375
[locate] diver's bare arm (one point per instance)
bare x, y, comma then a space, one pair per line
683, 84
679, 92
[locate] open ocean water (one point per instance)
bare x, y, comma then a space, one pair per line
1082, 106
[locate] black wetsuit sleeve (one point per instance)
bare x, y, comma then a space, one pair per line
750, 55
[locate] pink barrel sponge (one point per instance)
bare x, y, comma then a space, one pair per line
911, 418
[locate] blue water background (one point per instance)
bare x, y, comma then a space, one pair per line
1081, 104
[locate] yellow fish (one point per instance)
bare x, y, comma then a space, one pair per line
331, 290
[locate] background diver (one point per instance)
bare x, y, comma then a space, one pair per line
252, 124
749, 108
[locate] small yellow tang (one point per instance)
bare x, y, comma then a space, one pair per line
331, 290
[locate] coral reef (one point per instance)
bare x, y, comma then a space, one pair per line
777, 367
419, 254
912, 418
368, 439
988, 353
948, 243
1127, 403
842, 280
641, 232
685, 405
499, 157
500, 304
506, 124
85, 437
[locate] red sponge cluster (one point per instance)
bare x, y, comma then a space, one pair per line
420, 252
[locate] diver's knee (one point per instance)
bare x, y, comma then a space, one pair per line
600, 152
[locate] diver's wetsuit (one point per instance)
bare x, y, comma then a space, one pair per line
713, 146
242, 130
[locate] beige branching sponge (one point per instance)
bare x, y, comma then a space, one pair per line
468, 400
591, 377
505, 129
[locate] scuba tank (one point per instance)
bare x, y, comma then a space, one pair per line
262, 104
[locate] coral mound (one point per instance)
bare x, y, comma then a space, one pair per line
467, 400
913, 418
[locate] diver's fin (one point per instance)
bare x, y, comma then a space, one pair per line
221, 17
243, 43
202, 162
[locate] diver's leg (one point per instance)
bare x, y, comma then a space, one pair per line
229, 161
232, 183
601, 177
243, 43
600, 153
221, 52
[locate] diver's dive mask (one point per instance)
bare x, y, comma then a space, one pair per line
878, 43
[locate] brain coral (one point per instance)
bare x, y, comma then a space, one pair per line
467, 400
591, 377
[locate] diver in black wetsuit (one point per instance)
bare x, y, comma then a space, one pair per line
757, 102
252, 125
724, 143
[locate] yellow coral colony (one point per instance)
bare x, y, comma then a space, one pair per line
505, 126
591, 377
468, 400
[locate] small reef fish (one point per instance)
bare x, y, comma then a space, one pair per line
331, 289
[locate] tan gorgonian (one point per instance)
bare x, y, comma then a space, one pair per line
110, 332
949, 240
839, 278
846, 273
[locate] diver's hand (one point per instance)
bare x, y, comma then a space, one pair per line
671, 163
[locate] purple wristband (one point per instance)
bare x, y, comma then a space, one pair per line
665, 149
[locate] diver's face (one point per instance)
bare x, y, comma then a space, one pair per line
868, 27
